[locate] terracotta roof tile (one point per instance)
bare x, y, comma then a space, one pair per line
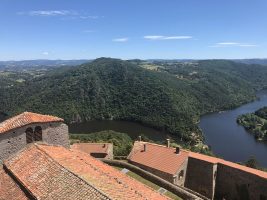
72, 174
215, 160
109, 180
162, 158
158, 157
9, 189
206, 158
46, 179
25, 119
92, 147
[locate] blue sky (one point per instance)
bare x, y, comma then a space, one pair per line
168, 29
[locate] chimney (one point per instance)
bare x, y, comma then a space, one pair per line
177, 150
104, 145
140, 138
168, 143
144, 147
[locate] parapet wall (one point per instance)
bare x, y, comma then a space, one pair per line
232, 183
200, 177
182, 192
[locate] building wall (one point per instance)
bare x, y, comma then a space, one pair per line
11, 142
163, 175
236, 184
110, 152
56, 133
52, 133
200, 177
178, 180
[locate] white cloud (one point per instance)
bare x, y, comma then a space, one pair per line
67, 14
51, 13
161, 37
233, 44
45, 53
248, 45
89, 17
120, 39
227, 43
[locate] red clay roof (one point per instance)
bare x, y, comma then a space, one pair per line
109, 180
92, 147
158, 157
72, 174
206, 158
162, 158
9, 189
46, 179
25, 119
215, 160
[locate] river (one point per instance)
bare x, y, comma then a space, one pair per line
230, 140
133, 129
226, 138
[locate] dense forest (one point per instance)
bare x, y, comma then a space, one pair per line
255, 123
164, 94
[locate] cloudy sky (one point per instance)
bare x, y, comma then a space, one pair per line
146, 29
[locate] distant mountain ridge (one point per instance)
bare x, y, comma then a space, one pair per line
35, 64
171, 96
46, 63
258, 61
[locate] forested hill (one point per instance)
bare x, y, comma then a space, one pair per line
160, 94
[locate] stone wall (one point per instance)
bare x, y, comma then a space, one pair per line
200, 177
182, 192
14, 140
232, 183
180, 175
110, 152
166, 176
11, 142
56, 133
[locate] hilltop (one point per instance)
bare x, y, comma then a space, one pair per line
161, 94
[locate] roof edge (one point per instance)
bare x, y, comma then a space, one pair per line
23, 188
76, 175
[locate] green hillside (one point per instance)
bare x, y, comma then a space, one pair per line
167, 95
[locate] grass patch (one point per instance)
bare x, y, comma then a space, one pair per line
149, 183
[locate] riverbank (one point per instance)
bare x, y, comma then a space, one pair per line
231, 141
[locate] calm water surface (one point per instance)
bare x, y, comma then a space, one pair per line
131, 128
231, 141
226, 138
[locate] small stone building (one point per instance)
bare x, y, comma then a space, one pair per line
97, 150
163, 161
18, 131
212, 177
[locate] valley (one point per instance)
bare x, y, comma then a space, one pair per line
166, 95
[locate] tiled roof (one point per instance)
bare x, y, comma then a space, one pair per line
215, 160
92, 147
109, 180
158, 157
25, 119
72, 174
203, 157
9, 189
164, 159
46, 179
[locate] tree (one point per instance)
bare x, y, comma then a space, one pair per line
252, 162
